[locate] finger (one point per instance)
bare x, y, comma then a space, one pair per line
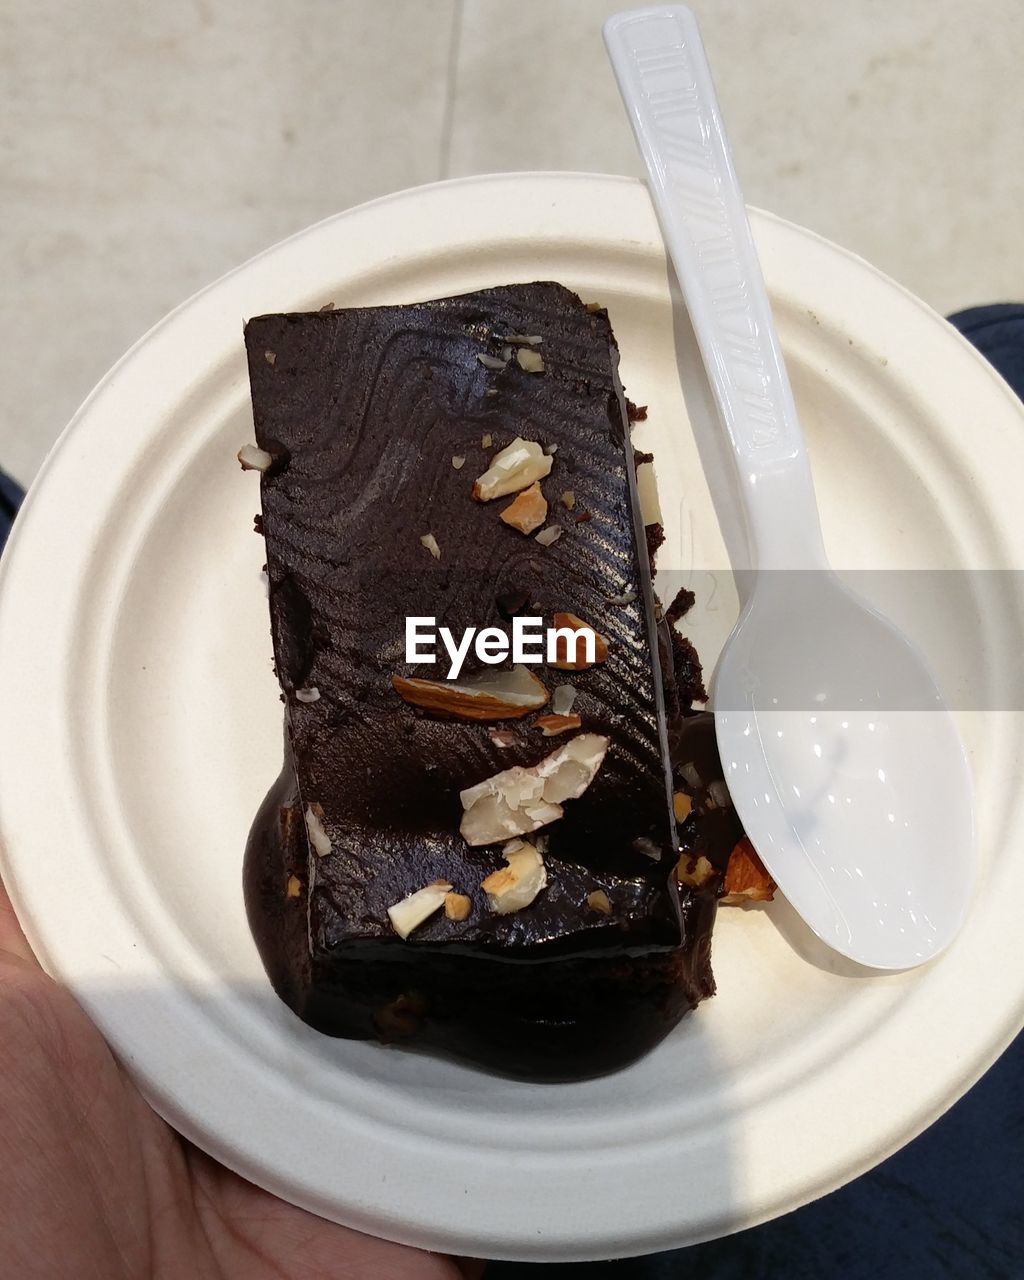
12, 940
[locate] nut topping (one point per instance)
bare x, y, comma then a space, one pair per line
562, 699
430, 542
577, 660
318, 836
647, 492
411, 912
746, 877
554, 724
681, 806
549, 536
694, 872
458, 461
519, 800
528, 511
515, 467
515, 885
310, 694
256, 459
457, 906
293, 888
492, 695
646, 846
530, 361
599, 901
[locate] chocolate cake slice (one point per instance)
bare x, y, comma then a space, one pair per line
489, 876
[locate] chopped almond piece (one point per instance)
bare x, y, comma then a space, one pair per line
647, 492
253, 459
568, 499
530, 361
318, 836
516, 467
515, 885
430, 542
694, 872
457, 906
599, 901
520, 800
413, 909
578, 660
528, 511
553, 724
494, 695
293, 888
562, 699
746, 877
681, 806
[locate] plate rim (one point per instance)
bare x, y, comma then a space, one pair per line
11, 573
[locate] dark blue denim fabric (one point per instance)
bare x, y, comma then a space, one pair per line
10, 500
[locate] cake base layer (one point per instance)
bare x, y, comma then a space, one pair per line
552, 1020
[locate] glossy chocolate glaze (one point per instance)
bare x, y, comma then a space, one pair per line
363, 411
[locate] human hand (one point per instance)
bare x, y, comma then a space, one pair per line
95, 1186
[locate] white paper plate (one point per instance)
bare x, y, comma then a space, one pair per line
142, 727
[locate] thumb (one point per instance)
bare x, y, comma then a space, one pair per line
12, 940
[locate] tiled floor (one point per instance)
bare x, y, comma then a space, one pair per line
146, 149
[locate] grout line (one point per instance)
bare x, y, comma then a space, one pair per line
450, 88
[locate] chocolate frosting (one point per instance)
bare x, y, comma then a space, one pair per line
363, 411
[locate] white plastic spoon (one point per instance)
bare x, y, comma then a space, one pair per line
843, 762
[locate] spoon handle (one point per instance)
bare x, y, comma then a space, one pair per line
664, 78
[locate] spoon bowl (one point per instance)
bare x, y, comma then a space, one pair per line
846, 770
